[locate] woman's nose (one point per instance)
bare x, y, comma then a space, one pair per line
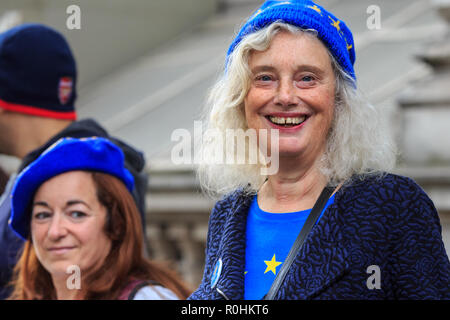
286, 94
57, 228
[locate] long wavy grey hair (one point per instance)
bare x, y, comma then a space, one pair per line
358, 143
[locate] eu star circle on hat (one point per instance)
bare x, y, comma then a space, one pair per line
67, 154
304, 14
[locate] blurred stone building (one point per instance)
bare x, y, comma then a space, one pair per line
146, 67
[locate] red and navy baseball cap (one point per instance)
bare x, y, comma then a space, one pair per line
37, 72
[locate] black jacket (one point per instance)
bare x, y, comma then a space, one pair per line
389, 224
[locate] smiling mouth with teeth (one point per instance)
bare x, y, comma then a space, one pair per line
287, 121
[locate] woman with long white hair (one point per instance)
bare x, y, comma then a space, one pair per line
330, 222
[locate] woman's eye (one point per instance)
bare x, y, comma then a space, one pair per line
41, 215
306, 81
264, 77
307, 78
77, 214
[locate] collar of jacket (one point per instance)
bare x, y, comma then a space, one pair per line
320, 262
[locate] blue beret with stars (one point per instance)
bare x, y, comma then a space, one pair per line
304, 14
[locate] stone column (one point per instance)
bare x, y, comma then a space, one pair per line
425, 137
425, 105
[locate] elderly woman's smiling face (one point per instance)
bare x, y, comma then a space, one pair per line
292, 89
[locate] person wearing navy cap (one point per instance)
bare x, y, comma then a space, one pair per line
320, 217
38, 77
73, 207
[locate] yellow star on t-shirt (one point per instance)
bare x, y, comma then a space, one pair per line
272, 265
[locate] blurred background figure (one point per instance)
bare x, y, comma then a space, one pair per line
37, 107
3, 180
74, 208
145, 71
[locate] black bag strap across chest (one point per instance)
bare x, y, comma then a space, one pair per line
309, 223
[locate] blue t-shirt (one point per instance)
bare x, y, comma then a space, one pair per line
269, 238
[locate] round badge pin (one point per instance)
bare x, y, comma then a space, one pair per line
216, 273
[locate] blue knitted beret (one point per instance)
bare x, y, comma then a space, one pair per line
305, 14
37, 72
67, 154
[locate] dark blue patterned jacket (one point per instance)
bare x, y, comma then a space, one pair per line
390, 223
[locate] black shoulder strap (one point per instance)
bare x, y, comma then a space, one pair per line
309, 223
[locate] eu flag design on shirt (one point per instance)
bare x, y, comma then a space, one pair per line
269, 238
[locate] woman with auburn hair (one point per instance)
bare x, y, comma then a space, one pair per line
83, 231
